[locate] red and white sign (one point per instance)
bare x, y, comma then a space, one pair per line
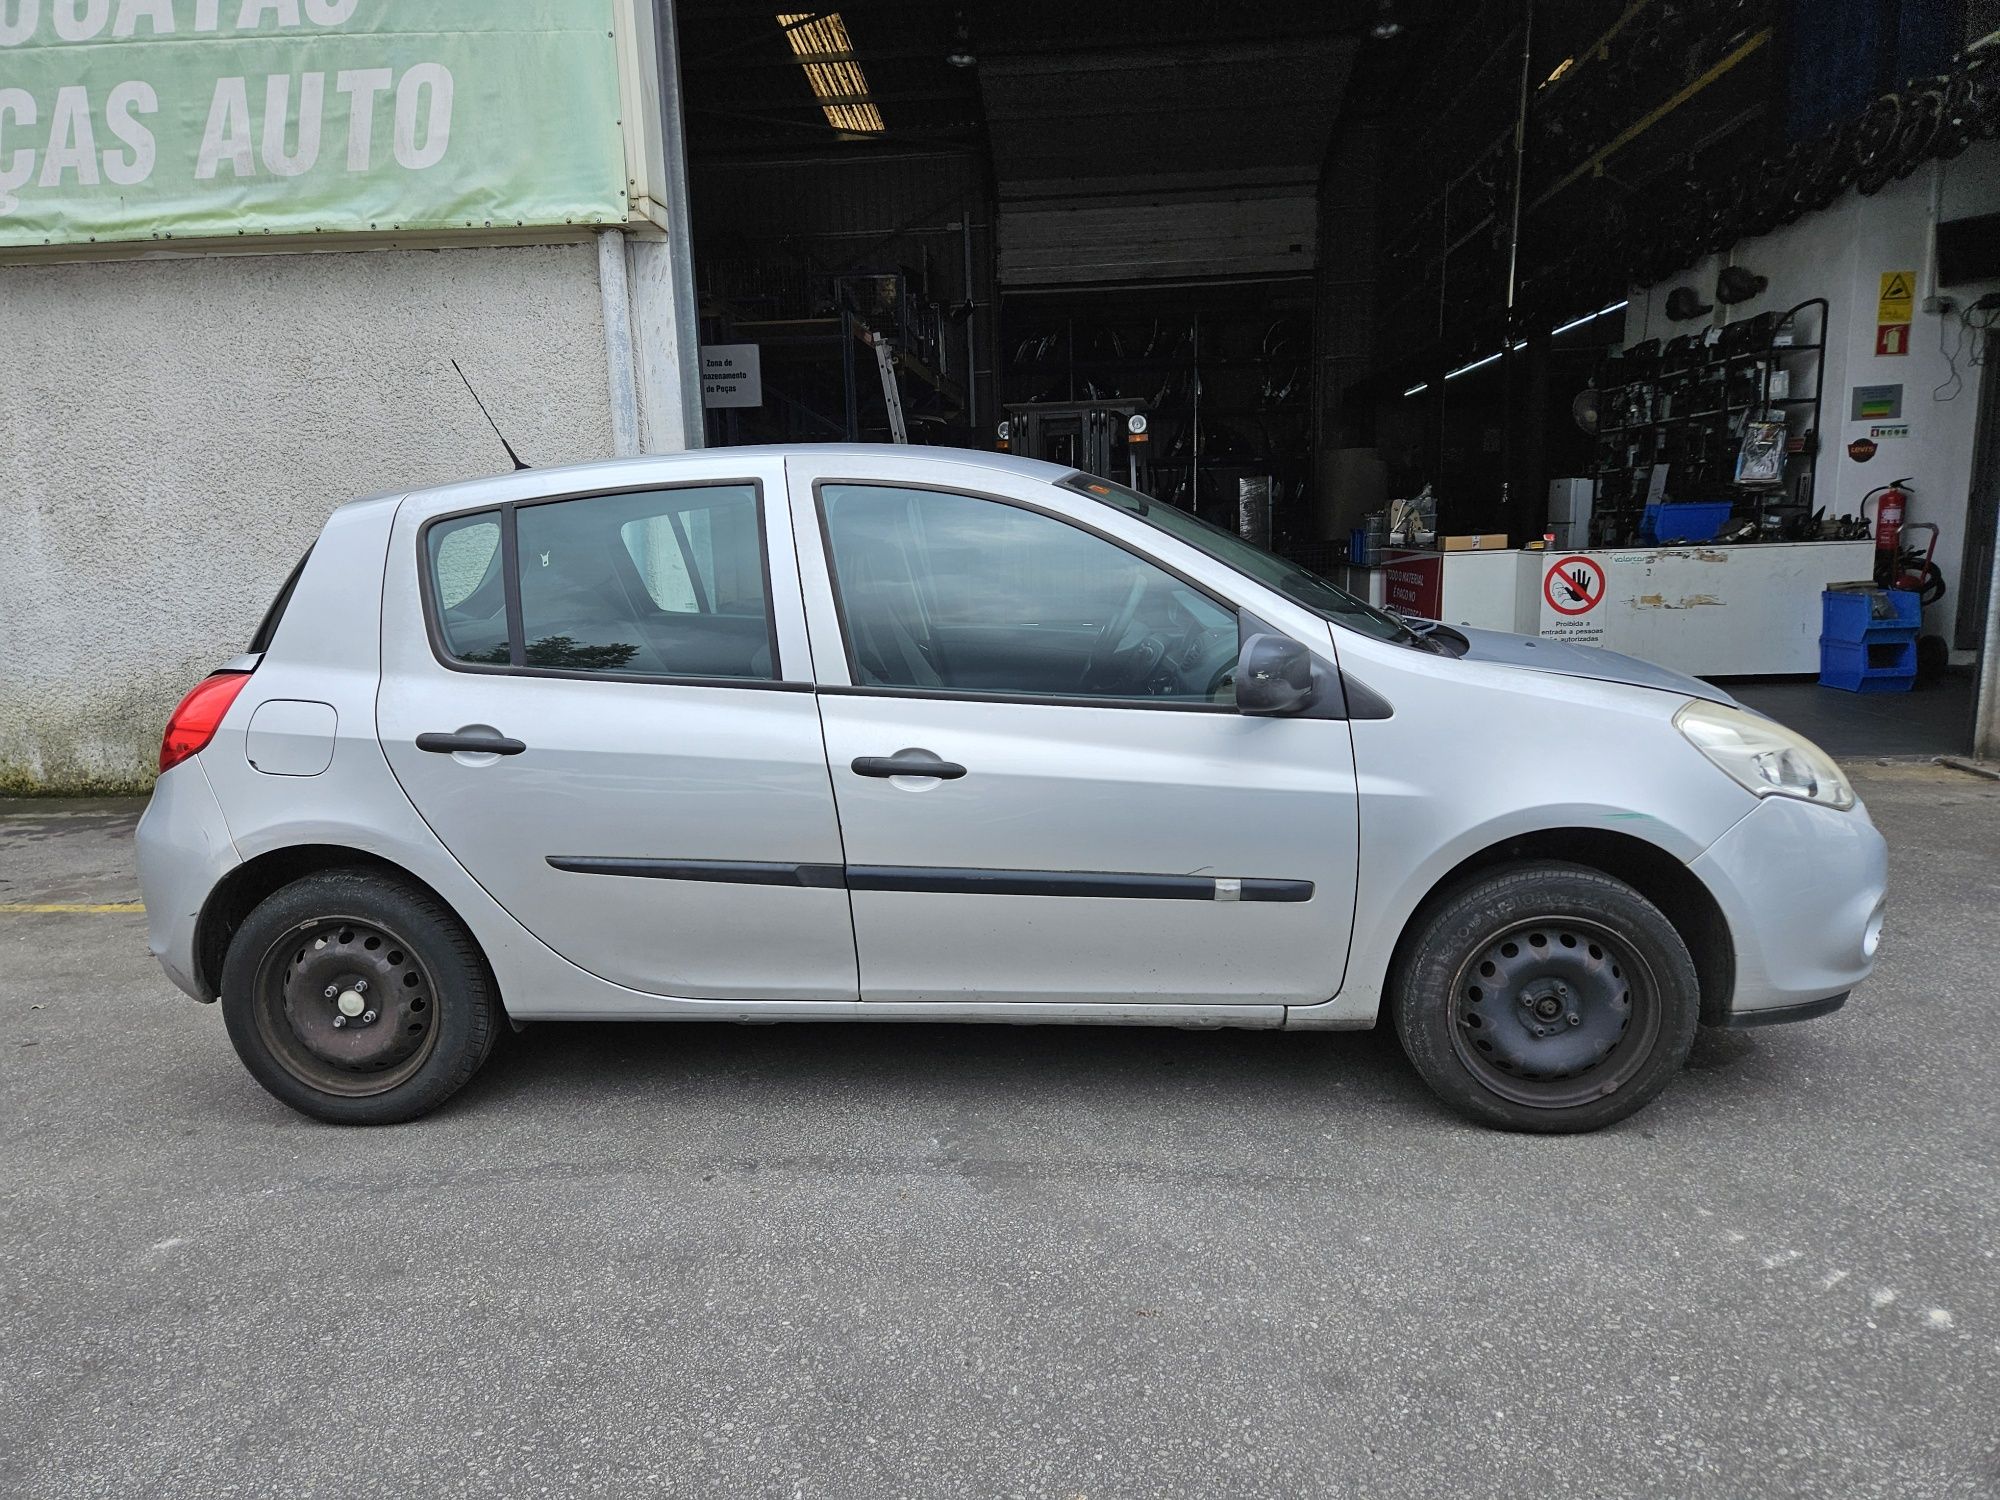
1892, 338
1574, 586
1413, 584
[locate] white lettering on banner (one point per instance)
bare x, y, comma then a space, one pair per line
100, 145
437, 134
159, 12
361, 85
277, 113
80, 20
252, 15
20, 105
128, 99
72, 143
18, 19
227, 137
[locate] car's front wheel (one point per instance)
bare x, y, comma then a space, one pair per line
357, 999
1546, 997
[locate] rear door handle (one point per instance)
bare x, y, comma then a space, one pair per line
908, 763
477, 744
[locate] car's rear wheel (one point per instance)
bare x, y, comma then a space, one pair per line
1546, 997
357, 999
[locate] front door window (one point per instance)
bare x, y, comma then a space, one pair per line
953, 593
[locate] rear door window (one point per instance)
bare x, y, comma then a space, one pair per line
662, 583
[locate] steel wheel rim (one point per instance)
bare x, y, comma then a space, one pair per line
1567, 1017
356, 959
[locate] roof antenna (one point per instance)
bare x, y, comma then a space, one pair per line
518, 465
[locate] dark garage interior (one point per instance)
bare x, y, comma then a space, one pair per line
1289, 265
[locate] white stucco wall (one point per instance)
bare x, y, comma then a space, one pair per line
1840, 254
173, 433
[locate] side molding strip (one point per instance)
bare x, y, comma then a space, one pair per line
725, 871
945, 881
1068, 883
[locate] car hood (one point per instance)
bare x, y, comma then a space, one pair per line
1566, 660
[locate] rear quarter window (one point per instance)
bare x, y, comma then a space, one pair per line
468, 587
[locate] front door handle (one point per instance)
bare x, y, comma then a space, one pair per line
908, 763
476, 744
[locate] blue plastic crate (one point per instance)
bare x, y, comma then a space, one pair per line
1868, 666
1869, 614
1684, 521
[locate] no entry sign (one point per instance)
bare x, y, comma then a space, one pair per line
1574, 586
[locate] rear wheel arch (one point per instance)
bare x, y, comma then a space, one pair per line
1656, 874
244, 888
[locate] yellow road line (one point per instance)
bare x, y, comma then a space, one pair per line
27, 908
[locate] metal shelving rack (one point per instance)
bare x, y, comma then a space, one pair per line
1646, 432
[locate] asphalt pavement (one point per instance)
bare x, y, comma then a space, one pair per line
969, 1261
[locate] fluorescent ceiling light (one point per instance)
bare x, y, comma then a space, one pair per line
826, 52
1421, 385
1618, 306
1468, 369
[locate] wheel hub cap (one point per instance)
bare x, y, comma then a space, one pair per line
355, 999
1547, 1001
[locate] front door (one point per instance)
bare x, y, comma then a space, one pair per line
1045, 791
586, 698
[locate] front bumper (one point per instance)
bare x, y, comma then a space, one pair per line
184, 851
1802, 889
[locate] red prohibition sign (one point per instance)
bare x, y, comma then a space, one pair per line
1574, 586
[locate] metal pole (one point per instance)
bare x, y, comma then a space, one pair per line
971, 327
673, 131
1520, 156
1510, 425
615, 293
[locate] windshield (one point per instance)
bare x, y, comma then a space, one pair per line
1307, 590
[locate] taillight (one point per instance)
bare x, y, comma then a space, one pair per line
194, 723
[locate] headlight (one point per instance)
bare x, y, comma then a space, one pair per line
1764, 757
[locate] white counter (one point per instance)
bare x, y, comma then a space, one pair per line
1715, 611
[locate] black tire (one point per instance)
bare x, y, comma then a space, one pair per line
373, 942
1545, 997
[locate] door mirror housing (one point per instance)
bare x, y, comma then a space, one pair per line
1274, 675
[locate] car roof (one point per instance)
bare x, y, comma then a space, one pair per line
642, 469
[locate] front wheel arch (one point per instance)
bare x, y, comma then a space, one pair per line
244, 888
1650, 870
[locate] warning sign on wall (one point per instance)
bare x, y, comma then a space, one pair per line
1572, 591
1899, 292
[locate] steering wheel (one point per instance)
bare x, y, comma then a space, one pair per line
1115, 627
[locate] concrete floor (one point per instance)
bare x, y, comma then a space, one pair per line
1935, 719
874, 1261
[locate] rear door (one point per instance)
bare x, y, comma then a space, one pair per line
602, 704
1045, 791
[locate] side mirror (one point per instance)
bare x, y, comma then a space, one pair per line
1274, 675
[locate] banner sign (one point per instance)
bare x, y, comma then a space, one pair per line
144, 120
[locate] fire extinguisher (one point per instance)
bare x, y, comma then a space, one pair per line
1888, 527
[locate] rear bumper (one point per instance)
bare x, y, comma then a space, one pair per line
1802, 888
184, 850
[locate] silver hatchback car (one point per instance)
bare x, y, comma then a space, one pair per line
881, 733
